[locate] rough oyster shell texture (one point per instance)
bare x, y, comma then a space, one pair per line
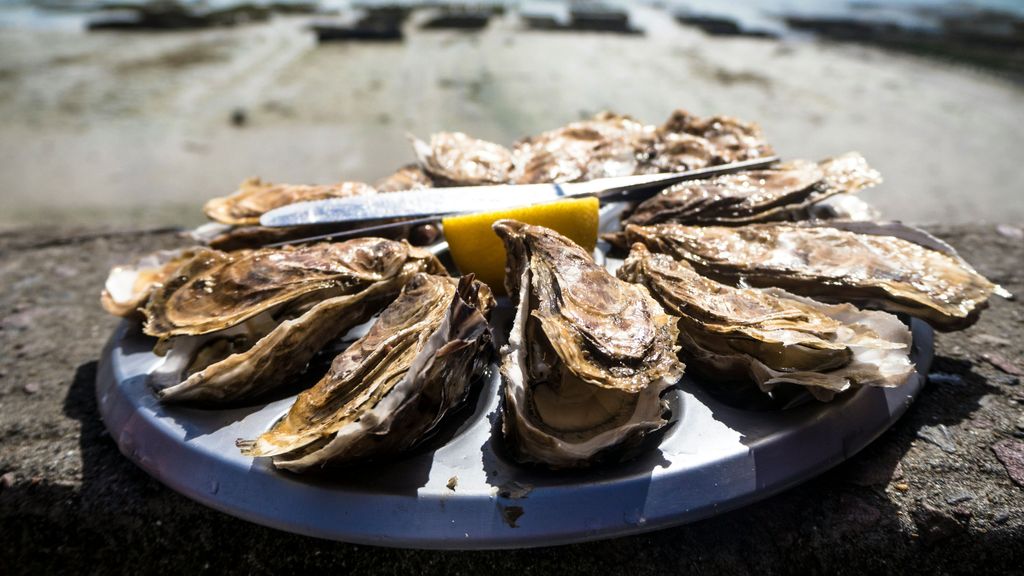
891, 267
237, 325
604, 146
610, 145
770, 336
731, 139
391, 388
216, 290
783, 192
230, 238
254, 198
587, 358
409, 177
455, 159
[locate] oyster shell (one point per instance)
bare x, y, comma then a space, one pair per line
784, 192
260, 354
231, 238
771, 336
892, 267
266, 325
587, 359
390, 389
128, 287
733, 140
455, 159
672, 152
611, 145
410, 177
217, 290
254, 198
604, 146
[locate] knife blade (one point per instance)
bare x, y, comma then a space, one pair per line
413, 204
465, 199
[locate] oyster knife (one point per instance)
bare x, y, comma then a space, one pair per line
436, 202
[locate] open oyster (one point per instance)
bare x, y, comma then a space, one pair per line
391, 388
410, 177
230, 238
602, 147
676, 152
236, 325
843, 207
784, 192
732, 140
455, 159
128, 287
770, 336
892, 267
219, 289
587, 359
611, 145
254, 198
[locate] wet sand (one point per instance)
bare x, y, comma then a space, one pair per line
134, 129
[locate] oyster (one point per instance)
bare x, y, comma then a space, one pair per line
390, 389
611, 145
733, 140
230, 238
672, 152
218, 289
455, 159
254, 198
128, 287
587, 359
771, 336
843, 207
264, 352
784, 192
410, 177
271, 312
604, 146
250, 237
892, 267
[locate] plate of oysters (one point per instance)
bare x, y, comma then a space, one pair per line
726, 339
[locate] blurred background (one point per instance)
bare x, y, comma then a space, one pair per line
132, 113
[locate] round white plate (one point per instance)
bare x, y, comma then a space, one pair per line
462, 492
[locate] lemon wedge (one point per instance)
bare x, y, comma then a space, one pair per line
476, 248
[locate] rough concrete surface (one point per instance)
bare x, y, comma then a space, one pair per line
935, 494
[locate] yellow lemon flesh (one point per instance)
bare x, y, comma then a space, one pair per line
476, 248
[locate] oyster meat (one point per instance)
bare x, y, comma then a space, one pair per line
784, 192
455, 159
391, 388
587, 359
254, 198
231, 238
890, 266
770, 336
128, 287
236, 325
